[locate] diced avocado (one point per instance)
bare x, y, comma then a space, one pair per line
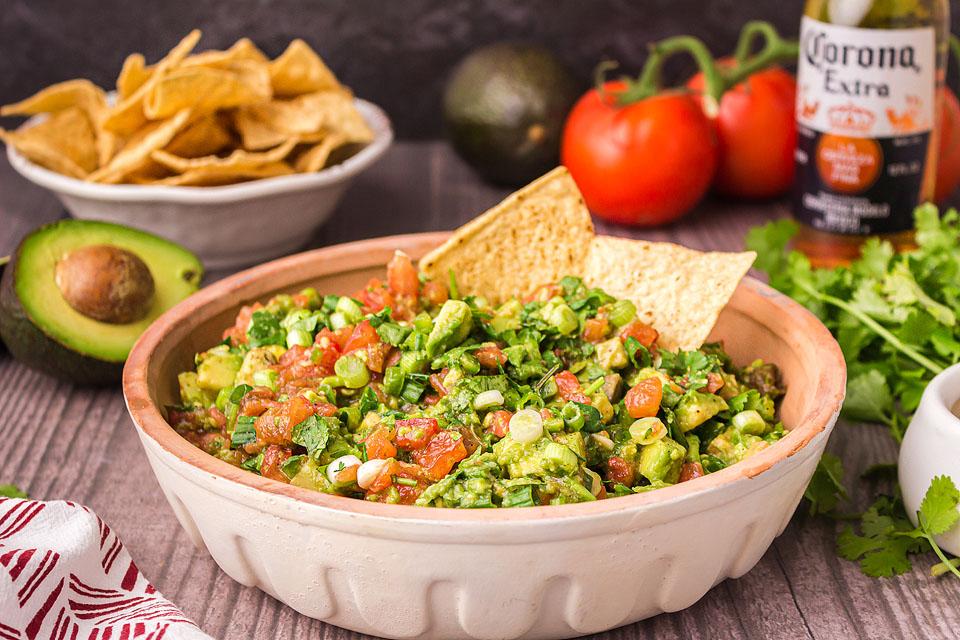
451, 327
611, 354
55, 318
190, 391
311, 477
414, 361
507, 316
613, 386
573, 441
732, 446
696, 407
661, 461
650, 372
258, 359
730, 388
540, 458
217, 368
602, 404
560, 316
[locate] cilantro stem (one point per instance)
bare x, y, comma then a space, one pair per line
943, 558
874, 326
941, 568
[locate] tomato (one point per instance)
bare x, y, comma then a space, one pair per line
643, 399
714, 382
569, 388
690, 470
415, 433
948, 163
385, 479
375, 297
402, 278
645, 163
621, 471
256, 401
273, 458
442, 452
491, 357
641, 332
377, 355
276, 425
435, 292
497, 422
436, 381
756, 128
595, 329
237, 334
379, 444
363, 335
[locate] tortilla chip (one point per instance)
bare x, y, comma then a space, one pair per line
136, 152
57, 97
315, 157
239, 159
254, 133
207, 89
300, 70
202, 137
242, 49
678, 291
536, 236
132, 75
63, 142
332, 111
127, 116
214, 176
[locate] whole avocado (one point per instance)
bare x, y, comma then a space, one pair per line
504, 109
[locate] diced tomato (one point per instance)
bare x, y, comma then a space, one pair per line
385, 478
595, 329
470, 440
301, 301
377, 353
690, 470
379, 444
641, 332
347, 475
436, 381
392, 359
388, 477
291, 355
491, 357
375, 297
430, 399
363, 335
341, 336
442, 452
216, 417
238, 332
256, 401
402, 278
435, 292
415, 433
714, 382
212, 443
276, 425
621, 471
273, 457
569, 388
498, 422
643, 399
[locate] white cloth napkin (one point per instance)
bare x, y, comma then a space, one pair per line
65, 575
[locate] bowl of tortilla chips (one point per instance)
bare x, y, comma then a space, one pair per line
396, 570
198, 147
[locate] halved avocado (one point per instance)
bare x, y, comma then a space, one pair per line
77, 294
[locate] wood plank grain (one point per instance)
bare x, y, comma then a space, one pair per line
59, 441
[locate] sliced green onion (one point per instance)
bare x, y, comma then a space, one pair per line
352, 371
393, 379
338, 321
526, 426
266, 378
621, 312
749, 421
408, 482
572, 416
469, 363
487, 399
647, 430
350, 309
299, 337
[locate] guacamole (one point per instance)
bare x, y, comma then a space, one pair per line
408, 393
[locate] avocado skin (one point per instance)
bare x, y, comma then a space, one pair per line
496, 98
31, 346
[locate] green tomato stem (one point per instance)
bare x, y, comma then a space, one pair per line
775, 50
649, 82
874, 326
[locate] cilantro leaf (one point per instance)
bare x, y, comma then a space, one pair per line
12, 491
826, 486
868, 398
265, 330
312, 434
938, 510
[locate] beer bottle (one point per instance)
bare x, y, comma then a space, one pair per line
867, 84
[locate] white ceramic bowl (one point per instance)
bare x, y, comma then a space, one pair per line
226, 226
540, 572
931, 447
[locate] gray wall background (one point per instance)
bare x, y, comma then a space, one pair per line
396, 53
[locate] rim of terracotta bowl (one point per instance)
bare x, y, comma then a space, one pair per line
375, 116
829, 389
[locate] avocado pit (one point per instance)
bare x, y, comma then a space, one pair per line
105, 283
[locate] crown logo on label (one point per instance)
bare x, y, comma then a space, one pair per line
851, 117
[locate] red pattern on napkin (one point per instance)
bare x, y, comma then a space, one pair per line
65, 575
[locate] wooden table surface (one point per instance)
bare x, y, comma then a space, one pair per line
58, 441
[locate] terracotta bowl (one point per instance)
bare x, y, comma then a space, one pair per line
542, 572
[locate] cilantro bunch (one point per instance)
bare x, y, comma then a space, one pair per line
895, 318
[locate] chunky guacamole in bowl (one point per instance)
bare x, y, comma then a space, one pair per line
409, 393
